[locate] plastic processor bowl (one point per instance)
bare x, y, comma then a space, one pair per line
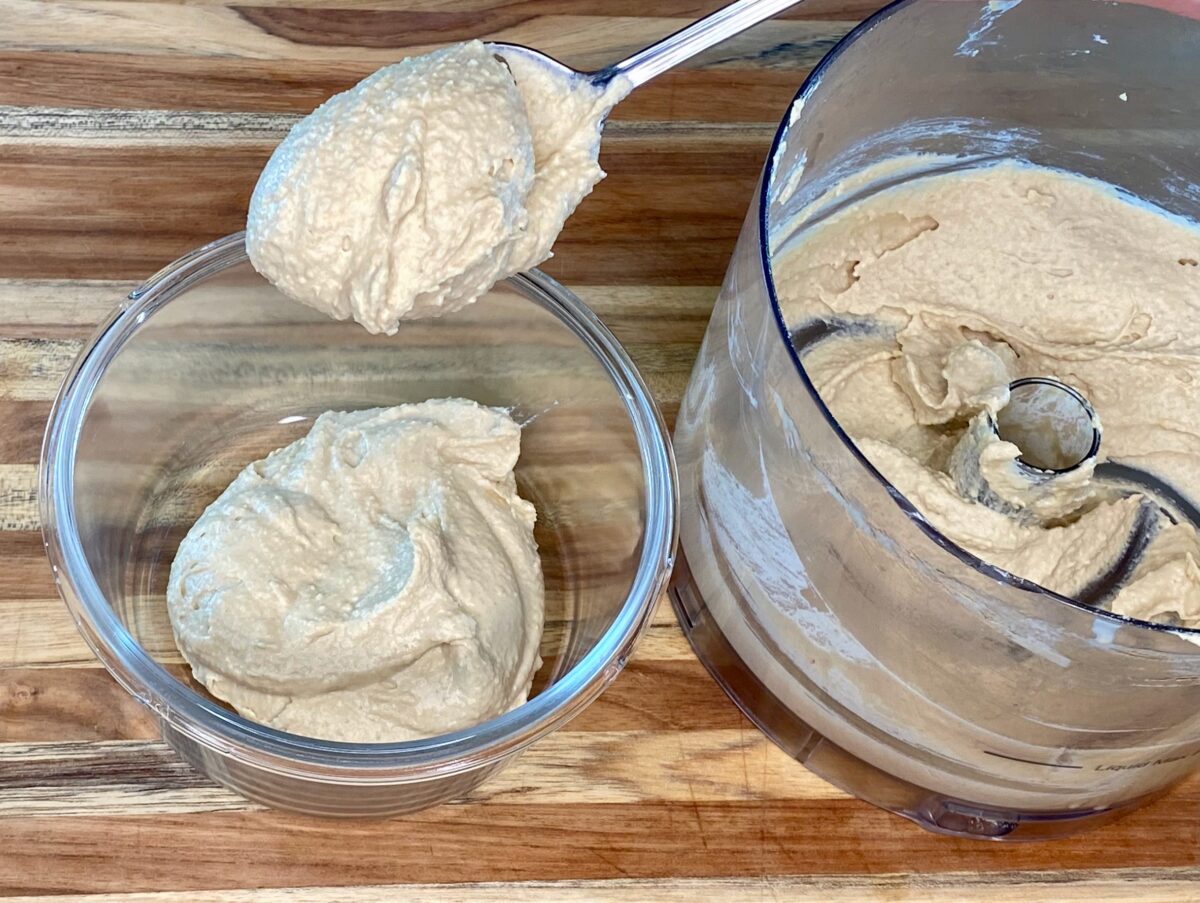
869, 646
207, 367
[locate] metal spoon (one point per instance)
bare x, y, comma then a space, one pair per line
670, 51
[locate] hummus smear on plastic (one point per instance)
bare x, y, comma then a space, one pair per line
932, 296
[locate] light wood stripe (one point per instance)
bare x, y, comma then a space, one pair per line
82, 127
18, 498
84, 303
38, 633
58, 302
79, 128
1167, 885
26, 575
33, 368
592, 767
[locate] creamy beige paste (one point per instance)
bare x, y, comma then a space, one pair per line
377, 580
943, 290
414, 192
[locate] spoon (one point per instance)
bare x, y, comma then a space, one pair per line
667, 53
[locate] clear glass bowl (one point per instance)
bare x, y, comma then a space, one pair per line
207, 367
889, 660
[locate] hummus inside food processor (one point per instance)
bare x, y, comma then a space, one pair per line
1017, 351
375, 581
414, 192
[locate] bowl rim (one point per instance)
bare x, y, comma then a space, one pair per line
794, 113
232, 735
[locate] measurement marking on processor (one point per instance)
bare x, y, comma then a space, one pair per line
988, 752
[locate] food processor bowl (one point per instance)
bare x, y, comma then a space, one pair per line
207, 367
887, 659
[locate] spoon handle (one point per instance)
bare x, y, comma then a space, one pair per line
687, 42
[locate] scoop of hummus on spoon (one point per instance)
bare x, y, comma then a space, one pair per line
415, 191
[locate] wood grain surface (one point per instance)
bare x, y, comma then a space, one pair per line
132, 131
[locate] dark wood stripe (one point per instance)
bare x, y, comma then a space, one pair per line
148, 766
726, 93
21, 425
396, 26
24, 571
662, 217
478, 843
70, 704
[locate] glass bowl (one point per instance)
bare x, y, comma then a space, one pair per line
870, 647
207, 367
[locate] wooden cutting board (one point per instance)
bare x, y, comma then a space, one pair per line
131, 132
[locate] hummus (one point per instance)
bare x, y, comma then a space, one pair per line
930, 297
414, 192
375, 581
